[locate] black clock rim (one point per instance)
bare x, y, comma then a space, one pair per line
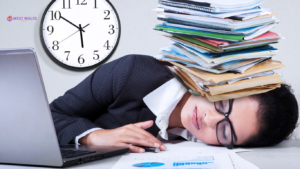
71, 67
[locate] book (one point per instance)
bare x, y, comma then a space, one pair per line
213, 6
206, 47
217, 23
169, 9
242, 32
217, 36
266, 37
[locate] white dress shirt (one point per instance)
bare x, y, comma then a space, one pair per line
162, 102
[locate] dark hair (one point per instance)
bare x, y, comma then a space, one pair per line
277, 116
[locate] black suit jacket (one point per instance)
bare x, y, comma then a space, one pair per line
110, 97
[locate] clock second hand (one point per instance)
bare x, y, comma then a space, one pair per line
73, 33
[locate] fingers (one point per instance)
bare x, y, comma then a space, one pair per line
132, 148
130, 136
138, 141
141, 132
142, 137
136, 149
144, 125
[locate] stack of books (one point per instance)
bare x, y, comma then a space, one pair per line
220, 49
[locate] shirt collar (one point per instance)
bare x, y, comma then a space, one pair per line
162, 102
165, 98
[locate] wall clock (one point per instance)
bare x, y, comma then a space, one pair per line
80, 34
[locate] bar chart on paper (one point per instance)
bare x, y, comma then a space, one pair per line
191, 163
168, 162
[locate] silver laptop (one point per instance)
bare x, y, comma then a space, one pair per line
27, 131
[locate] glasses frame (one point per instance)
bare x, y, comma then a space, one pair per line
226, 119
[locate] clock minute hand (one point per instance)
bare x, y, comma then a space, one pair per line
72, 23
81, 35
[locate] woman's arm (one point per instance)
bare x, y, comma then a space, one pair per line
74, 112
131, 136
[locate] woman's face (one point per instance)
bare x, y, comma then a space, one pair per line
243, 118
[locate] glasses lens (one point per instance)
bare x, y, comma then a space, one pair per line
222, 106
224, 134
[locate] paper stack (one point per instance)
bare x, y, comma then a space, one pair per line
220, 49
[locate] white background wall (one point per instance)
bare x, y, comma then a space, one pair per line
137, 37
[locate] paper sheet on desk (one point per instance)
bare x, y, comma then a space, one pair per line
238, 162
166, 160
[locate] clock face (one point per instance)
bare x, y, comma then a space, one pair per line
80, 33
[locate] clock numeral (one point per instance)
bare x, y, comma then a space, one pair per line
112, 29
68, 52
55, 45
80, 59
97, 55
50, 29
55, 15
64, 7
107, 16
82, 3
95, 4
106, 45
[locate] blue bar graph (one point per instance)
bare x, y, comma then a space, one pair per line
191, 163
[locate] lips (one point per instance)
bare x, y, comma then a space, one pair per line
196, 119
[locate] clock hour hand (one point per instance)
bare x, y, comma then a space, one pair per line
73, 33
81, 35
71, 23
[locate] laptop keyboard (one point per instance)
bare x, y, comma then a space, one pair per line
65, 153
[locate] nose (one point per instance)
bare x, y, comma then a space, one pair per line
212, 117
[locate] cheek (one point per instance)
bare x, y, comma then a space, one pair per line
186, 113
207, 135
186, 120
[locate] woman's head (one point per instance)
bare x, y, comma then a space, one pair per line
257, 120
277, 116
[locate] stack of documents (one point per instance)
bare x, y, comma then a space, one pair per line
220, 49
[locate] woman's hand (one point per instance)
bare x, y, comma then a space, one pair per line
126, 136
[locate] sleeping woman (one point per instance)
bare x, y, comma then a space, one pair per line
134, 101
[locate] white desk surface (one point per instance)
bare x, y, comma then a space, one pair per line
285, 155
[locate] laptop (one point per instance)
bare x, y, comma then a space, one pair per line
27, 130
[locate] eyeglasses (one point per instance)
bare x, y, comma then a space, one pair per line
225, 132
